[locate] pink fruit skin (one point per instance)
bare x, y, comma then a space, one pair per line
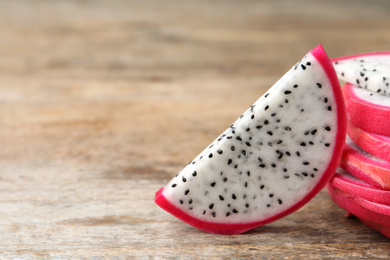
385, 230
374, 212
383, 53
361, 189
237, 228
375, 144
366, 115
374, 172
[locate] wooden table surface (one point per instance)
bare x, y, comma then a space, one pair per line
103, 102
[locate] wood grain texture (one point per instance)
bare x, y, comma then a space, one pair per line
103, 102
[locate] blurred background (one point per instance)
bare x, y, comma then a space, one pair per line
102, 102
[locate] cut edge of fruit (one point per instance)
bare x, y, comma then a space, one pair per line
379, 53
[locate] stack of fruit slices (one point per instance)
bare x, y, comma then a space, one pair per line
362, 183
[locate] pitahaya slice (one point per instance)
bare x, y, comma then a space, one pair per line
367, 110
350, 184
278, 155
384, 230
361, 208
365, 166
369, 70
377, 145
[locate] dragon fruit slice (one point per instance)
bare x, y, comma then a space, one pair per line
377, 145
369, 70
365, 166
361, 208
350, 184
278, 155
384, 230
367, 110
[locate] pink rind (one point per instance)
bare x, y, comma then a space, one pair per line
374, 172
359, 207
237, 228
375, 144
366, 115
363, 190
384, 230
383, 53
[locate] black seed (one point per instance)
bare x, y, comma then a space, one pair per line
262, 186
304, 174
303, 66
280, 156
235, 166
329, 108
210, 155
246, 184
194, 173
279, 142
266, 122
315, 169
239, 138
212, 184
252, 116
288, 153
357, 81
288, 128
268, 205
287, 92
262, 165
259, 126
298, 153
286, 101
260, 160
266, 107
190, 201
379, 90
311, 143
228, 214
211, 145
273, 165
362, 74
326, 100
308, 63
306, 133
269, 132
213, 214
204, 212
303, 144
327, 144
229, 137
266, 95
234, 196
235, 211
186, 192
225, 179
285, 169
286, 176
248, 144
342, 74
211, 206
246, 205
220, 151
313, 132
248, 129
229, 161
183, 179
306, 163
174, 185
295, 86
327, 128
248, 173
366, 79
312, 175
280, 201
271, 195
232, 148
181, 201
273, 114
243, 152
221, 198
302, 110
319, 85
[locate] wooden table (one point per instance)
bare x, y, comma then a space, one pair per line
103, 102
